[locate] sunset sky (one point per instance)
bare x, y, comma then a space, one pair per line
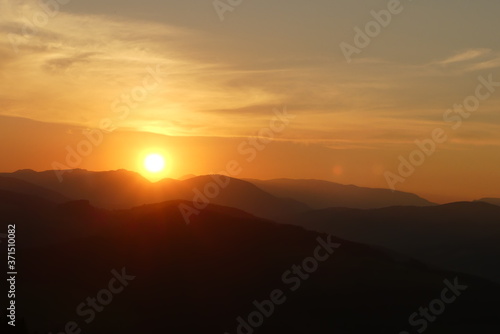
171, 77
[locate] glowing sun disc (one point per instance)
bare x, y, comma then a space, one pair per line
154, 163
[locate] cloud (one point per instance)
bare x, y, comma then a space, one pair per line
71, 70
63, 63
465, 56
494, 62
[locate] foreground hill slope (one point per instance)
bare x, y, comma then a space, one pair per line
201, 277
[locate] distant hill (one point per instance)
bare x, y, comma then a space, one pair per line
237, 194
459, 236
23, 187
320, 194
41, 222
15, 201
187, 177
110, 189
200, 278
122, 189
494, 201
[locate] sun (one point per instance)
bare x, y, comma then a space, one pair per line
154, 163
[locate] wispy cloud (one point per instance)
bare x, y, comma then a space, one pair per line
465, 56
75, 65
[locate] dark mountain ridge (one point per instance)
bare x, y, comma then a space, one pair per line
320, 194
460, 236
201, 277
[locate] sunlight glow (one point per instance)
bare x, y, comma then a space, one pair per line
154, 163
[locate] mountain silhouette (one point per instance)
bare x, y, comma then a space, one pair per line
319, 194
459, 236
23, 187
122, 189
494, 201
238, 194
203, 276
29, 213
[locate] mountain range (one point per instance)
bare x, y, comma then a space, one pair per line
396, 250
459, 236
122, 189
209, 276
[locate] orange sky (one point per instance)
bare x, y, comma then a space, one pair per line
170, 77
456, 173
